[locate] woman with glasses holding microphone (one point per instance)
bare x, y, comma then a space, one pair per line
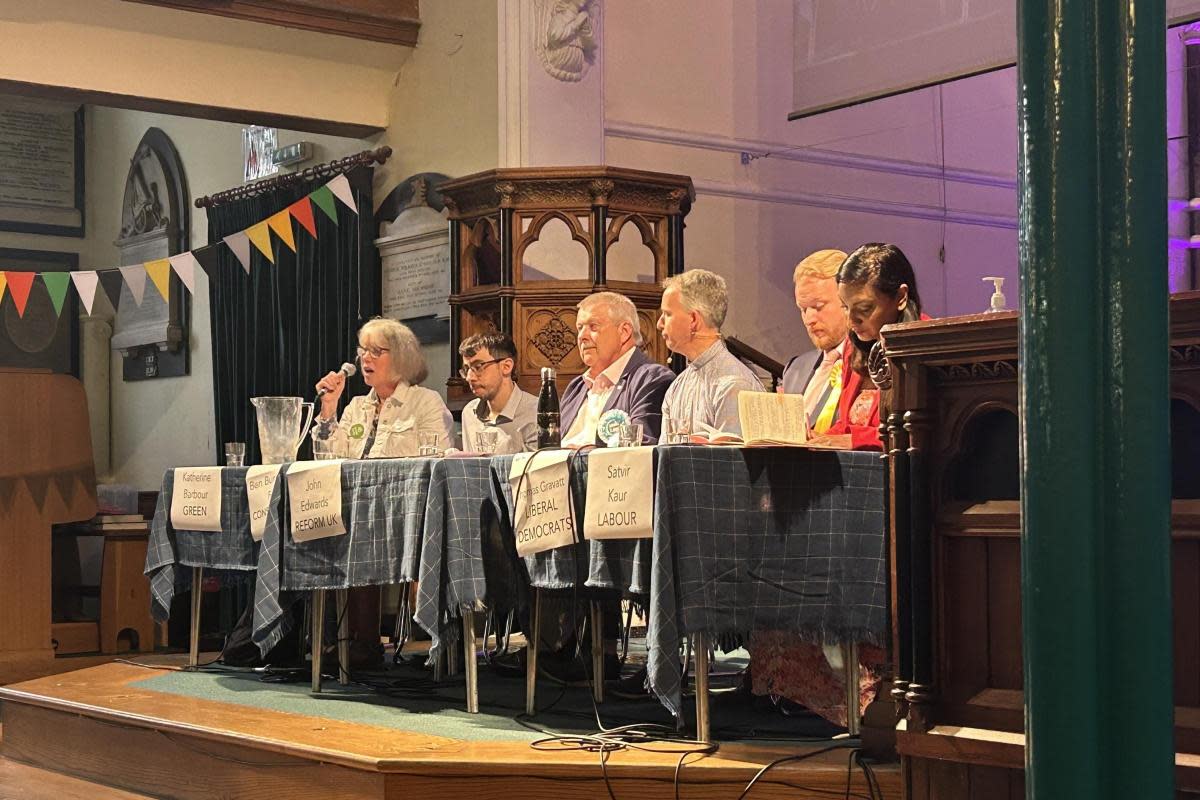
388, 421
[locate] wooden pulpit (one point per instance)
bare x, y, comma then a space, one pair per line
47, 476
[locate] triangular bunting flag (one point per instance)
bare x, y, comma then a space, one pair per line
206, 257
85, 287
110, 281
160, 273
302, 211
135, 279
260, 235
239, 243
281, 223
324, 201
3, 284
341, 190
185, 267
56, 285
19, 283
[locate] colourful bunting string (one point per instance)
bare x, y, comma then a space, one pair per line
135, 279
302, 211
260, 237
159, 273
323, 199
340, 187
19, 284
239, 243
184, 265
85, 287
281, 223
56, 285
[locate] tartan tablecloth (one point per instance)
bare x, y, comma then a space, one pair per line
383, 508
169, 549
773, 538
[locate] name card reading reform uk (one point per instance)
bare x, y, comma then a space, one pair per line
541, 501
315, 499
620, 493
260, 485
196, 499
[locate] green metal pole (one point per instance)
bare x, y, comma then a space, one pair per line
1095, 488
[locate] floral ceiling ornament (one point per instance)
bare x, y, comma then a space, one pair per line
565, 38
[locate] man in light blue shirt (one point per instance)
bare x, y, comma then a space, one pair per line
501, 410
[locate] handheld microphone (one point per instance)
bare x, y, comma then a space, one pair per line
347, 369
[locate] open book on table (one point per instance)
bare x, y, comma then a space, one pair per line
769, 419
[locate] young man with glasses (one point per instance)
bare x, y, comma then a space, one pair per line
500, 406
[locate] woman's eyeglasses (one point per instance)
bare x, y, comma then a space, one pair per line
375, 352
477, 367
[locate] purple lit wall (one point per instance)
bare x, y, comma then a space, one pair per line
1179, 254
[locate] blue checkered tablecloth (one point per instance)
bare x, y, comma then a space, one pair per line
772, 538
169, 549
383, 508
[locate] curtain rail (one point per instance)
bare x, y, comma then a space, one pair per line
366, 157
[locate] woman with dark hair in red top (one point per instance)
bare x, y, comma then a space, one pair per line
878, 287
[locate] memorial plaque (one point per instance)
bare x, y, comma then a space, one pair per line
41, 167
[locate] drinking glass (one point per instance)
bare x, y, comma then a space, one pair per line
235, 454
323, 449
630, 434
486, 441
429, 444
680, 431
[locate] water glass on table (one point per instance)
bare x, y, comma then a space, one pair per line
235, 454
323, 449
679, 431
486, 441
429, 445
629, 434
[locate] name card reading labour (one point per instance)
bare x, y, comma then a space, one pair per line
620, 494
196, 499
315, 499
260, 485
541, 498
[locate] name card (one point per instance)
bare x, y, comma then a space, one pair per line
620, 494
315, 499
196, 499
541, 501
260, 485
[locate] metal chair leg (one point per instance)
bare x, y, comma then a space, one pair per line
470, 659
700, 647
194, 633
597, 653
318, 632
343, 636
851, 671
531, 648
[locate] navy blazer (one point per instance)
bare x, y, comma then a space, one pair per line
639, 393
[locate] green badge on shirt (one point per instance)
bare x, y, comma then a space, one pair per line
357, 430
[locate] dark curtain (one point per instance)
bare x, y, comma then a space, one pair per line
277, 330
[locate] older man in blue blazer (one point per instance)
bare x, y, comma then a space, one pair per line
619, 375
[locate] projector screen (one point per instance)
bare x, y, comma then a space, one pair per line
851, 51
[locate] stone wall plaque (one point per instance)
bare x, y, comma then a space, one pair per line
41, 167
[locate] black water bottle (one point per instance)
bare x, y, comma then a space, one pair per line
549, 434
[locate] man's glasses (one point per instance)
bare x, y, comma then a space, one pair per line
478, 367
375, 352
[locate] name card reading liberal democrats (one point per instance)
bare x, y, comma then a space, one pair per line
260, 485
315, 499
541, 498
620, 494
196, 499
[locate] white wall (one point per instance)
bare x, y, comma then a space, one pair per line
688, 92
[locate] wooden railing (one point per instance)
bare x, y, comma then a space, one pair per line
756, 358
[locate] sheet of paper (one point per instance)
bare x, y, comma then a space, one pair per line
541, 501
196, 499
315, 499
769, 418
260, 484
620, 494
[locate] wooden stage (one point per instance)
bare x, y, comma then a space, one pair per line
96, 725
